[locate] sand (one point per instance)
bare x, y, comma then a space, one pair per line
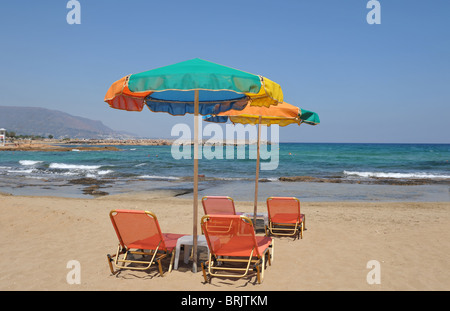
409, 240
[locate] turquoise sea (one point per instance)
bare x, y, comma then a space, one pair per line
334, 171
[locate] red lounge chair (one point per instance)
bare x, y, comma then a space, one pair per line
234, 248
284, 216
218, 205
139, 234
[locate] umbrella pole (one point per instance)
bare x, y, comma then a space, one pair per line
255, 204
194, 248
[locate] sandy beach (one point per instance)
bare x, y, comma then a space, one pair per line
410, 240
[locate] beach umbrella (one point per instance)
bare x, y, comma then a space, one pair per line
282, 114
193, 86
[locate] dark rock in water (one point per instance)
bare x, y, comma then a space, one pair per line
87, 181
300, 178
93, 190
400, 182
264, 180
93, 185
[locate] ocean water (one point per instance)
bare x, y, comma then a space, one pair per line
334, 171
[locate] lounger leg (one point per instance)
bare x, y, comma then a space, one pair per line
110, 264
171, 260
208, 263
160, 268
204, 272
258, 273
271, 251
263, 267
117, 256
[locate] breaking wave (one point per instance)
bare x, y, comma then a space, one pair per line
417, 175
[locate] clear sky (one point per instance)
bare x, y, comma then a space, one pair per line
387, 82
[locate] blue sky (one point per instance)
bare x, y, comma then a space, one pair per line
386, 83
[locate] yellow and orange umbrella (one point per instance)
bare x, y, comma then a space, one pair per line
282, 114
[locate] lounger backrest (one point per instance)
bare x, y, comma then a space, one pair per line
218, 205
134, 226
277, 206
232, 234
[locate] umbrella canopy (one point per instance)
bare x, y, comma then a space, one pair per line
172, 89
194, 86
282, 114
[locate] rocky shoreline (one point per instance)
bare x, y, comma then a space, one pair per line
119, 142
100, 144
93, 144
52, 148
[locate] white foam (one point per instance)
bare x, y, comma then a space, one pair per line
231, 178
21, 171
35, 177
29, 162
64, 166
69, 173
273, 179
417, 175
105, 172
158, 177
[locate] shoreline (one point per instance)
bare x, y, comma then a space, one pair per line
92, 188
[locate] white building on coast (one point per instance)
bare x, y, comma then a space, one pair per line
2, 137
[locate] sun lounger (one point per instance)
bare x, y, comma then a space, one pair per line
234, 248
224, 205
139, 234
218, 205
284, 216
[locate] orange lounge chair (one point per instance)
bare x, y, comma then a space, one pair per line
139, 234
234, 248
218, 205
284, 216
223, 205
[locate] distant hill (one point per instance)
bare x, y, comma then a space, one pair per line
45, 122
